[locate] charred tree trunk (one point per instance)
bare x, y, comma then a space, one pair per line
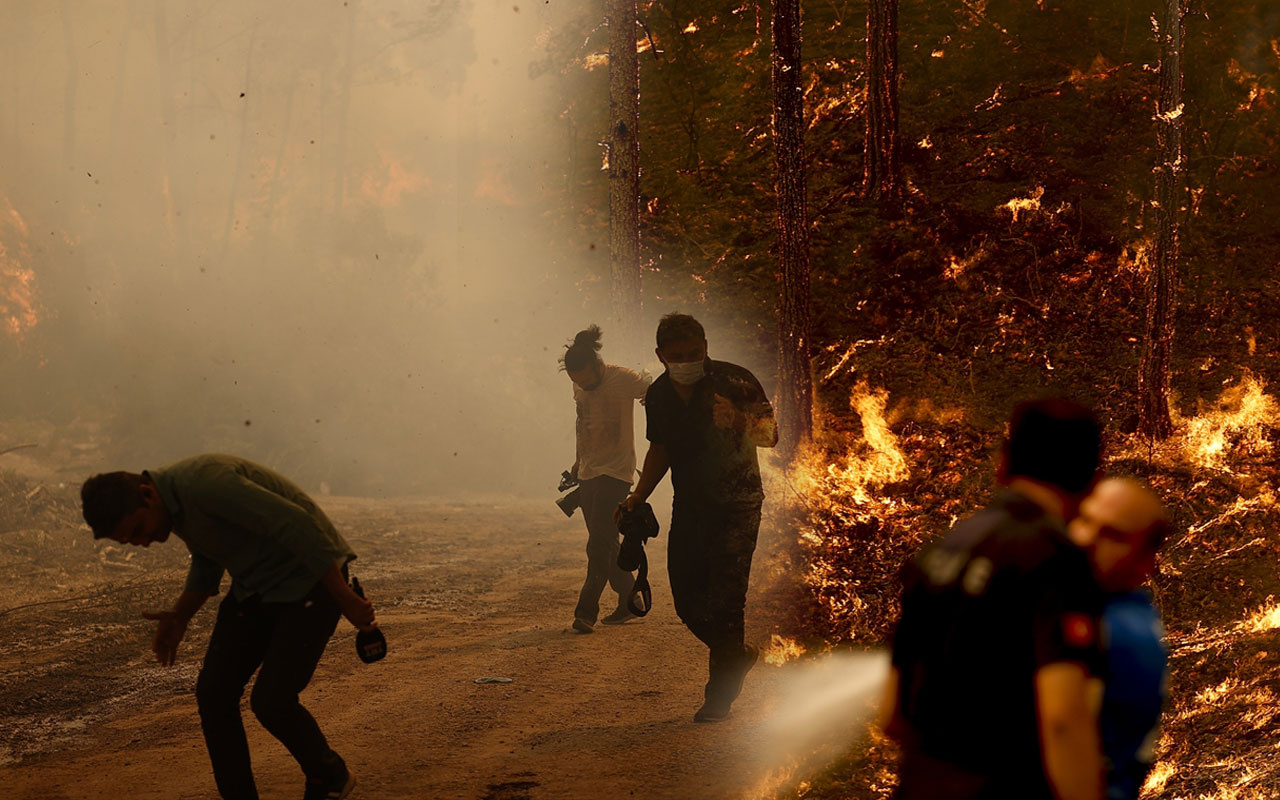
624, 169
795, 382
882, 167
1157, 342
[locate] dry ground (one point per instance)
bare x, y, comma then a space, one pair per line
463, 591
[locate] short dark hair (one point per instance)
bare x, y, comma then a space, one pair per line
1055, 441
585, 350
679, 328
107, 498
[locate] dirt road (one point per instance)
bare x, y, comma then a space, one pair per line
463, 592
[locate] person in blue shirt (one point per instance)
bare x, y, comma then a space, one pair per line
1121, 525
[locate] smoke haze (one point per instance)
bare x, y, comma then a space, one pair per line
310, 234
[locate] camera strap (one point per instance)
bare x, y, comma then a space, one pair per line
637, 526
640, 600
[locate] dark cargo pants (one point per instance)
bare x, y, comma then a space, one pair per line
286, 640
599, 498
709, 563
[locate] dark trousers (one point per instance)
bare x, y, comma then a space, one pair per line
709, 563
286, 640
599, 498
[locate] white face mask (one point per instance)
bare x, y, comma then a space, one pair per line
687, 373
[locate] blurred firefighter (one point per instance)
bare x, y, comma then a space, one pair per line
605, 397
705, 420
1121, 525
288, 568
997, 646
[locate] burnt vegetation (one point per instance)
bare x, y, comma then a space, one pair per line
1015, 265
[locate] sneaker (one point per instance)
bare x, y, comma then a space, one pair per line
713, 711
582, 626
319, 790
618, 617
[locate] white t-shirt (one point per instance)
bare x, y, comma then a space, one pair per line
606, 432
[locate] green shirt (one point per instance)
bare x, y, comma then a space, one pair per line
244, 519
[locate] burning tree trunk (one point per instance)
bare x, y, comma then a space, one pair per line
882, 171
1153, 377
624, 169
795, 382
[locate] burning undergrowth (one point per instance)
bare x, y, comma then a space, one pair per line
1217, 588
862, 510
910, 472
884, 475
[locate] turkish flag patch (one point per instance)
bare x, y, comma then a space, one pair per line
1079, 630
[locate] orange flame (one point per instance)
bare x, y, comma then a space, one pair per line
781, 650
1238, 423
19, 310
1158, 777
1028, 205
853, 477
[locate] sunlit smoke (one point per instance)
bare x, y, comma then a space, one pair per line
323, 241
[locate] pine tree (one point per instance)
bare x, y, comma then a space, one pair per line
882, 175
1153, 378
795, 382
624, 169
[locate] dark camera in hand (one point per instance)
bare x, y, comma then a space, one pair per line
567, 481
638, 523
570, 502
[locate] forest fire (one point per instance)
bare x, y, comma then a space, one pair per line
348, 241
879, 461
1240, 420
781, 650
1025, 205
846, 515
18, 306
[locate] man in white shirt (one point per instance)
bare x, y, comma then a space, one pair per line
605, 396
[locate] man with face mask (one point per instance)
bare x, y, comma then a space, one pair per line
705, 420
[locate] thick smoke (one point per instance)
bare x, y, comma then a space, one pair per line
307, 233
312, 234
